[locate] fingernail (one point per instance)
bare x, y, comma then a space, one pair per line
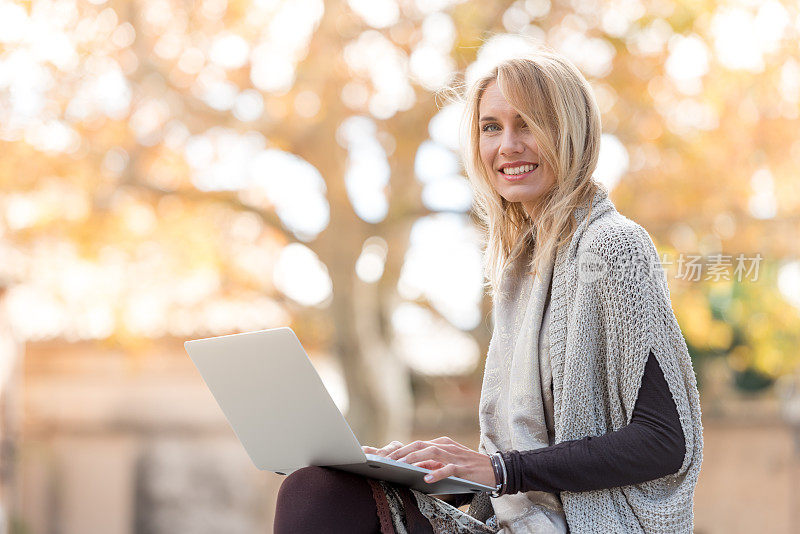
428, 477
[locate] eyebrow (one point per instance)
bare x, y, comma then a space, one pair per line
485, 119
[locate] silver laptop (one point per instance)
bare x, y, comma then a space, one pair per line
282, 413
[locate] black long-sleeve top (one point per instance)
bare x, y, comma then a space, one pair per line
650, 447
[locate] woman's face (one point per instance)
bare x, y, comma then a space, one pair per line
509, 152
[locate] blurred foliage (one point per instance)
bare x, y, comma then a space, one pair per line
748, 322
112, 112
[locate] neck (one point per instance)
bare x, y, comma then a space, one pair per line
533, 209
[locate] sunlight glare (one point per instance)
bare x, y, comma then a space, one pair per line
295, 187
741, 39
444, 264
613, 161
495, 50
249, 105
789, 282
687, 62
448, 193
434, 161
302, 277
444, 127
430, 345
368, 171
229, 51
371, 261
762, 203
376, 13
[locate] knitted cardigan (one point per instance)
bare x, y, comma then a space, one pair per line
610, 307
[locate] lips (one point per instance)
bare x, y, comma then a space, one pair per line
520, 175
515, 164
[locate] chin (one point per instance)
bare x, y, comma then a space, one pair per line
519, 196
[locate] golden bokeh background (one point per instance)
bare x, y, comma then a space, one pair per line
176, 169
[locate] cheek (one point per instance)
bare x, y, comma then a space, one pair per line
487, 155
530, 141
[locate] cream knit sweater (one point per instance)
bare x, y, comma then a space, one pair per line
610, 306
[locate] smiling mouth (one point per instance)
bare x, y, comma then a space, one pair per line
518, 172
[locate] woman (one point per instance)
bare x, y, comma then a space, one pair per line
589, 411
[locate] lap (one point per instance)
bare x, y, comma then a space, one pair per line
329, 494
443, 518
323, 500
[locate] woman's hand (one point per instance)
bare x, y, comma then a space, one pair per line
394, 446
445, 458
384, 451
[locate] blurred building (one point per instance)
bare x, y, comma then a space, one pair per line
121, 444
116, 444
10, 382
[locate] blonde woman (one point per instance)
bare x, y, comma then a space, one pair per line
589, 412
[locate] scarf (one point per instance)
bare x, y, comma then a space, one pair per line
516, 396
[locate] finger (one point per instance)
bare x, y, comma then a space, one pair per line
369, 450
430, 464
444, 440
426, 450
448, 470
434, 452
411, 447
417, 446
390, 448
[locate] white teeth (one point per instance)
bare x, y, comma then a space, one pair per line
519, 170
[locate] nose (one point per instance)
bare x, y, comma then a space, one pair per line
510, 142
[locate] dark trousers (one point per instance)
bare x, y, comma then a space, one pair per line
320, 500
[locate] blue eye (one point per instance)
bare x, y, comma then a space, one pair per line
484, 129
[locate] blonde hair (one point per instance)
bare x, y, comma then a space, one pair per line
557, 104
